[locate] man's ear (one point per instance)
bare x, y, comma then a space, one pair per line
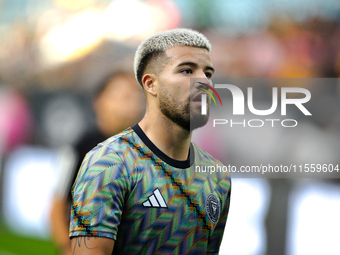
149, 83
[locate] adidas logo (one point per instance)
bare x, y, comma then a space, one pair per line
156, 200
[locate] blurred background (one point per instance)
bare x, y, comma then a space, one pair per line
53, 53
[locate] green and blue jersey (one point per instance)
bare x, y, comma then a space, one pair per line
130, 191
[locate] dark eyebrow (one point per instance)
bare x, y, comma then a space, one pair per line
195, 65
210, 68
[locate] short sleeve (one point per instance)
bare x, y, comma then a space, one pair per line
98, 195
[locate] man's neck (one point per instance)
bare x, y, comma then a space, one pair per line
167, 136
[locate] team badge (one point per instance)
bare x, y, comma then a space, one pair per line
213, 207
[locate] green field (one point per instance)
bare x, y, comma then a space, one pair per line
13, 244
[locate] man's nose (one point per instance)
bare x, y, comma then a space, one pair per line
201, 75
200, 78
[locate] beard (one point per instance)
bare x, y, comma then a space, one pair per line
181, 112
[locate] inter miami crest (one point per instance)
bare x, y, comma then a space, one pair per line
213, 207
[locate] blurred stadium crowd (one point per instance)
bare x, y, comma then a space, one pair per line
54, 52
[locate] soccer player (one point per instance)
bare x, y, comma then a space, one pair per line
139, 192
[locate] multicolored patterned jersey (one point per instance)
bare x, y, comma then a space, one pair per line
130, 191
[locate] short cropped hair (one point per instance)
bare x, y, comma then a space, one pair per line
159, 43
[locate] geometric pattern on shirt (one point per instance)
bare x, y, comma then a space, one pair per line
171, 231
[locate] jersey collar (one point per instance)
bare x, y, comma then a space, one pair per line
173, 162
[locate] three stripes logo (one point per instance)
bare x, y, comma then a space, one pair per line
156, 200
204, 97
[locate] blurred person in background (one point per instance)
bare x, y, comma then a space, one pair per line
118, 103
16, 123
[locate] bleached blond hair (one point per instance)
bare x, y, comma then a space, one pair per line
159, 43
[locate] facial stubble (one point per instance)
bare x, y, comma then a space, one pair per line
181, 113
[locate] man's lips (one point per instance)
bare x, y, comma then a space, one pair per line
197, 97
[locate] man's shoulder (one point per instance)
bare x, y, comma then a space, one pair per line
203, 156
204, 160
117, 147
126, 138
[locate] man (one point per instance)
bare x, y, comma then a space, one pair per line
138, 192
118, 103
